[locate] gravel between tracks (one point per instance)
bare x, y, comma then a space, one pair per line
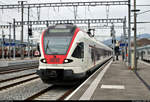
53, 94
23, 91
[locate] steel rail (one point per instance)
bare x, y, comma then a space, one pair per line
17, 83
13, 78
39, 93
67, 93
16, 69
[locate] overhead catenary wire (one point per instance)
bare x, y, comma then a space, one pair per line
38, 13
73, 12
107, 12
9, 13
142, 13
90, 13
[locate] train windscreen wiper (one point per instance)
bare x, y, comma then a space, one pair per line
47, 47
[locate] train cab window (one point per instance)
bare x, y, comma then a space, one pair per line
79, 51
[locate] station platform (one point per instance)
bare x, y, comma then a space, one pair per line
115, 81
17, 61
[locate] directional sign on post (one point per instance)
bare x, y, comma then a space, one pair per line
6, 44
9, 44
22, 45
123, 44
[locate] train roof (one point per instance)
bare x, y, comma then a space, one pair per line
144, 47
99, 43
63, 25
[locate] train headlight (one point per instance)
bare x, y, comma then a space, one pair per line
67, 60
43, 61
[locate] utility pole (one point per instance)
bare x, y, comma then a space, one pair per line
113, 40
75, 12
3, 36
14, 31
47, 24
88, 24
32, 48
22, 49
124, 31
135, 30
28, 33
9, 51
135, 60
129, 34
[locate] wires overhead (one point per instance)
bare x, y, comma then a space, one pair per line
75, 12
107, 12
142, 13
38, 13
32, 14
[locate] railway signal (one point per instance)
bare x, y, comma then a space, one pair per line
30, 31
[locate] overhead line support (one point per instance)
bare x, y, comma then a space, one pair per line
77, 21
65, 4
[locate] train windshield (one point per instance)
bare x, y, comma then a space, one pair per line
57, 41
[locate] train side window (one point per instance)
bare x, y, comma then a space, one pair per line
79, 51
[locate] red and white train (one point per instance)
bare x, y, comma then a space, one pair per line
69, 54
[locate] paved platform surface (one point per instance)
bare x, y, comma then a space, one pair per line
114, 82
143, 69
17, 61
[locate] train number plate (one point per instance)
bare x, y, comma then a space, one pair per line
54, 60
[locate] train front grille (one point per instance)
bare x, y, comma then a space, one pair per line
54, 73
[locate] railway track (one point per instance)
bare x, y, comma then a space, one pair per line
57, 92
16, 69
52, 93
11, 82
13, 78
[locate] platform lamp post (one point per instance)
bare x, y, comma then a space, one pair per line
28, 32
125, 38
129, 34
31, 48
9, 40
22, 10
14, 40
113, 40
135, 30
3, 36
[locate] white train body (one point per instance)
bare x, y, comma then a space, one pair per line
144, 53
82, 54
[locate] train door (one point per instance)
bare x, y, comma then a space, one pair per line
79, 54
86, 54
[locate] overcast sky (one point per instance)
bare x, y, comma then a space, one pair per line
82, 13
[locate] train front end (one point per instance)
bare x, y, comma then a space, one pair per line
55, 66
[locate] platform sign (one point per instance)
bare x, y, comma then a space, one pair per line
123, 44
22, 45
9, 44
